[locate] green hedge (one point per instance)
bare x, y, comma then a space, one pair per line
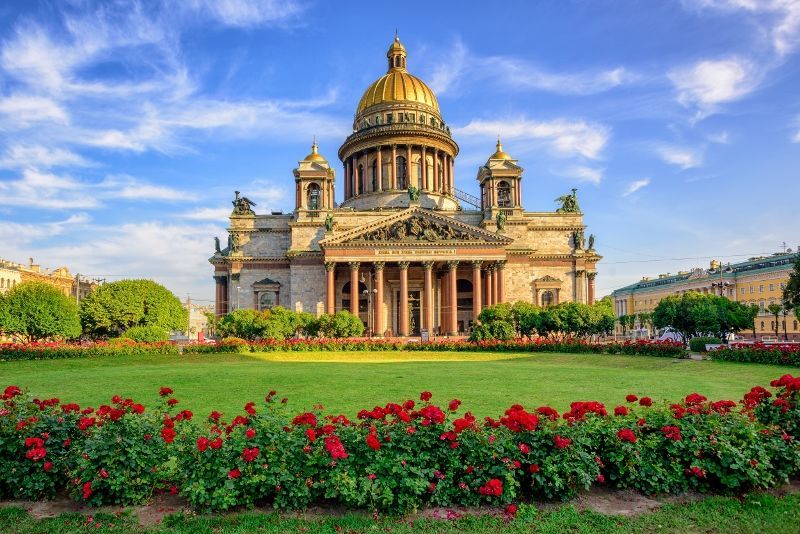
784, 354
698, 344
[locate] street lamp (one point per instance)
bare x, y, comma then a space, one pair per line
238, 288
721, 284
369, 292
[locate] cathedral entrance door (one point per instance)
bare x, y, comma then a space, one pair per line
414, 311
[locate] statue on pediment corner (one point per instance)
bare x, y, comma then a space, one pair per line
413, 194
242, 205
591, 241
329, 223
569, 203
500, 220
216, 245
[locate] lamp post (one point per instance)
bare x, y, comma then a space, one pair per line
238, 288
722, 285
369, 292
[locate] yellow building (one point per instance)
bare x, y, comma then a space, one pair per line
756, 281
74, 286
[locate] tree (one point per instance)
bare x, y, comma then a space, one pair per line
244, 324
34, 311
752, 315
340, 324
602, 317
775, 310
694, 314
791, 293
646, 320
526, 318
113, 308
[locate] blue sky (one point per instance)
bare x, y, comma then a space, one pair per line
125, 127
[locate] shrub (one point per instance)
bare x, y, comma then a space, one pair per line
340, 324
780, 354
398, 457
698, 344
146, 334
34, 311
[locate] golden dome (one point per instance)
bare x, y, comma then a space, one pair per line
499, 153
315, 155
397, 85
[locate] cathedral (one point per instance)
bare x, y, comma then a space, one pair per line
405, 250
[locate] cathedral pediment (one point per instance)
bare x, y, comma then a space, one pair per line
417, 226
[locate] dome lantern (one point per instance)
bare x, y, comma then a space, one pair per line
396, 55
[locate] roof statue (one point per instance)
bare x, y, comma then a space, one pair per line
569, 203
242, 205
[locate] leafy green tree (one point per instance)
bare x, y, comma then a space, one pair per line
694, 314
602, 318
646, 320
752, 314
775, 310
34, 311
244, 324
113, 308
146, 334
340, 324
526, 318
791, 293
623, 322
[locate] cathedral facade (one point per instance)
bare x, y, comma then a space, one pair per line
405, 250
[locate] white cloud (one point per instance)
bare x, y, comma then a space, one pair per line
779, 20
796, 138
518, 74
721, 138
40, 157
685, 158
565, 137
635, 186
23, 110
207, 214
35, 189
585, 174
246, 13
707, 84
13, 232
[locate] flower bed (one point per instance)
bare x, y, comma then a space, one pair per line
60, 350
126, 347
398, 457
785, 354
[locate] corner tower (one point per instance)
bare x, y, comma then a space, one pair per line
500, 180
399, 141
314, 185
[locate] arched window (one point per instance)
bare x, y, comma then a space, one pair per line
547, 299
464, 294
375, 175
360, 178
267, 300
314, 197
402, 177
2, 283
504, 194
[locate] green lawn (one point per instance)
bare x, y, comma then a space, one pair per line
757, 513
345, 382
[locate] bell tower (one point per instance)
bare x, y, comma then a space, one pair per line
314, 185
500, 182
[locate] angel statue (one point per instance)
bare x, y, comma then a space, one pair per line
569, 203
216, 245
413, 193
329, 223
591, 241
242, 205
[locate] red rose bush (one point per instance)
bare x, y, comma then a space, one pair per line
397, 457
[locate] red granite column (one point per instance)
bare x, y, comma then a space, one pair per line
592, 276
428, 270
453, 297
476, 289
354, 265
501, 284
330, 302
402, 321
379, 329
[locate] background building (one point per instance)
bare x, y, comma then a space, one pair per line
74, 286
406, 250
757, 281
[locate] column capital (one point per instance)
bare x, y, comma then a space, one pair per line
500, 264
428, 265
330, 265
452, 265
354, 265
592, 275
379, 265
403, 265
476, 264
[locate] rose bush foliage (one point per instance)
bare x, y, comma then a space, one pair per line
398, 457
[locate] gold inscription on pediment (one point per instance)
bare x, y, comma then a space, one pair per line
416, 252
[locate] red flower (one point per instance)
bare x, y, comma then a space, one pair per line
373, 442
87, 490
695, 398
600, 479
493, 487
431, 414
86, 422
671, 432
305, 419
103, 473
646, 401
561, 443
334, 447
524, 448
311, 435
234, 473
372, 476
454, 404
511, 509
249, 454
164, 391
641, 422
11, 391
249, 408
168, 434
533, 468
517, 419
172, 402
202, 443
47, 466
425, 396
548, 412
631, 398
626, 434
216, 443
620, 411
250, 433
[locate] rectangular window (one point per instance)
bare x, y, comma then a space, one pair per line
752, 290
741, 291
761, 288
772, 287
